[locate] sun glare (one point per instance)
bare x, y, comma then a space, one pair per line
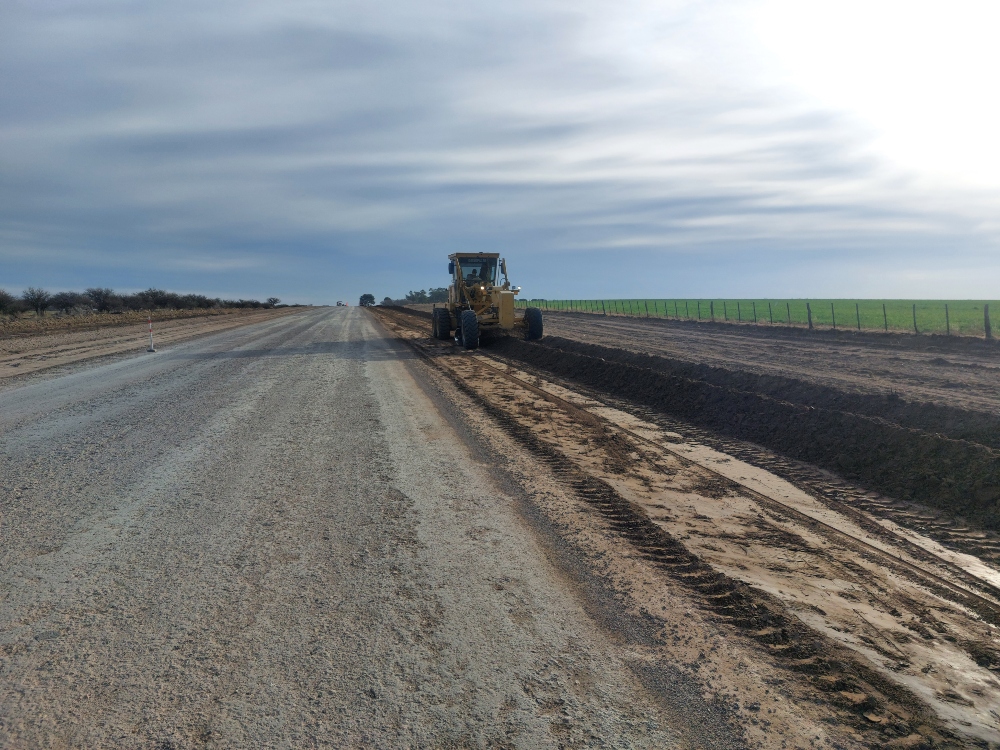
920, 75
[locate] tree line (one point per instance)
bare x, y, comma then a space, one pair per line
104, 300
424, 296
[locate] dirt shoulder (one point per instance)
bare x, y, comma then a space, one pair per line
815, 616
957, 372
28, 349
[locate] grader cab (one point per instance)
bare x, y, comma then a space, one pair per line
479, 302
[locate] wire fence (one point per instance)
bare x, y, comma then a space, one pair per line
948, 317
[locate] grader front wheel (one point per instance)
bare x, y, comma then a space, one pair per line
533, 319
470, 329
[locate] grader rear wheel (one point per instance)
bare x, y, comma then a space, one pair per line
442, 324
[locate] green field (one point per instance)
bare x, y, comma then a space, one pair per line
957, 317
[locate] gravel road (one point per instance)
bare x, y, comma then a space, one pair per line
273, 537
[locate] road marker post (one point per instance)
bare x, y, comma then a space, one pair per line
151, 347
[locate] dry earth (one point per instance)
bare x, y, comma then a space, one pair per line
283, 536
21, 354
953, 371
832, 554
959, 372
327, 529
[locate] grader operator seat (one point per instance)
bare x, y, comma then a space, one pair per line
480, 271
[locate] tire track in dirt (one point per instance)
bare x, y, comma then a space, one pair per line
954, 475
862, 697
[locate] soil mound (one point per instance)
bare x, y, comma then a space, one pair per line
937, 455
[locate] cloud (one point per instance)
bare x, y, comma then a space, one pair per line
329, 146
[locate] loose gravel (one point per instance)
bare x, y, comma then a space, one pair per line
271, 537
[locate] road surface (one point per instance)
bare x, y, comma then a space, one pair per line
281, 536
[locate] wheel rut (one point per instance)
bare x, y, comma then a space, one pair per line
860, 660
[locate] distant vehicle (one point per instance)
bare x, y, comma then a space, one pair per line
339, 303
479, 301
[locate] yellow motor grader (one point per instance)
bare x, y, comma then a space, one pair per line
478, 302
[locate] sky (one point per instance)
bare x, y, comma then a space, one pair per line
315, 151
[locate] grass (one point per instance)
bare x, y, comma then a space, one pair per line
964, 317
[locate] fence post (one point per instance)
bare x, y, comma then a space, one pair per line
687, 311
725, 312
915, 329
986, 321
947, 322
739, 313
809, 315
676, 315
885, 318
788, 310
711, 309
770, 313
833, 314
699, 309
604, 309
647, 307
857, 311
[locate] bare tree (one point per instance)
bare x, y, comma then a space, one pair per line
36, 299
103, 299
273, 301
66, 302
9, 304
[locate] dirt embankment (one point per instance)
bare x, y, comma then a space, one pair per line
835, 431
822, 399
27, 352
51, 324
949, 371
801, 578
